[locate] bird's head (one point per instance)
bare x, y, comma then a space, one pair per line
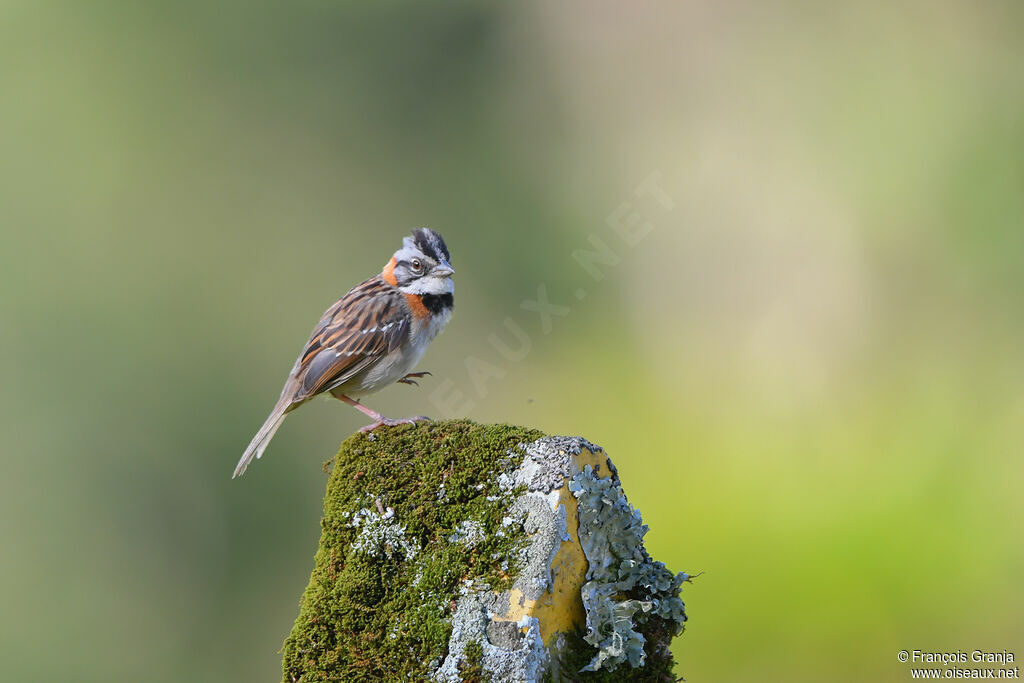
422, 265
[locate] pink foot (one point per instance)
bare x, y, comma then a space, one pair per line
388, 422
378, 419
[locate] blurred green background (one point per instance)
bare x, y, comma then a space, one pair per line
809, 372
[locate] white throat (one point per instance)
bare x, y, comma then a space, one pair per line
430, 285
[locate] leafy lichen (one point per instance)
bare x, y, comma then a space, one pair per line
624, 588
392, 556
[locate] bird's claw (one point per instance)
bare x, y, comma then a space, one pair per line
388, 422
418, 375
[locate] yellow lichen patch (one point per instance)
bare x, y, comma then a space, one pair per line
560, 609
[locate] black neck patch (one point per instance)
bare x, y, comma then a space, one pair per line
438, 303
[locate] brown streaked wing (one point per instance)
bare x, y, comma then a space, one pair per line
368, 322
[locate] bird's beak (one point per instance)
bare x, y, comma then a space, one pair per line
444, 270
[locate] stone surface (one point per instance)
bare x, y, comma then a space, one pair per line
460, 552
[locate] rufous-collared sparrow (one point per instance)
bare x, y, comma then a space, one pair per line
372, 337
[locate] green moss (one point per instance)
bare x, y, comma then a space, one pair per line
472, 668
381, 594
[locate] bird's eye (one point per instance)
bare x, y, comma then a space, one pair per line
417, 265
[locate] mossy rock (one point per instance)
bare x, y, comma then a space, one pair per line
453, 551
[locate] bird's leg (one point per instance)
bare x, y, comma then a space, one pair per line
369, 412
417, 375
377, 418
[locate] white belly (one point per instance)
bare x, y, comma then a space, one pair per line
400, 362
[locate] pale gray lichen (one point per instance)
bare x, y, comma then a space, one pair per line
469, 533
611, 532
534, 512
508, 654
380, 535
549, 462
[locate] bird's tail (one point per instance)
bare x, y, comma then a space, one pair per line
263, 436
